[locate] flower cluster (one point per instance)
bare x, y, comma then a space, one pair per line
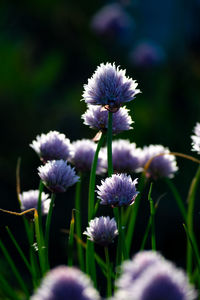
196, 139
97, 118
65, 283
29, 200
52, 146
57, 175
149, 276
102, 230
82, 156
158, 162
117, 190
110, 87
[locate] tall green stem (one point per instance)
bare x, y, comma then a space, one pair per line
109, 282
109, 144
133, 214
78, 221
47, 229
93, 180
152, 211
177, 197
190, 213
90, 255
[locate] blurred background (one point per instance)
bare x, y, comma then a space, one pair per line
49, 49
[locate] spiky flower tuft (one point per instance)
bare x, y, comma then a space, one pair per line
97, 118
102, 230
110, 87
29, 199
160, 165
196, 139
65, 283
57, 175
82, 155
149, 276
118, 190
51, 146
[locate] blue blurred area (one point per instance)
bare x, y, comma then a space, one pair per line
48, 50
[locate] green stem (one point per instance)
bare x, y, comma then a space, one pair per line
47, 229
92, 182
40, 245
14, 269
90, 261
71, 241
177, 198
146, 234
109, 144
109, 282
133, 214
8, 289
78, 222
152, 211
119, 245
190, 213
19, 250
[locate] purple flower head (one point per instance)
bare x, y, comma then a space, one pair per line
102, 230
97, 118
147, 54
57, 175
82, 156
52, 146
118, 190
126, 157
109, 87
63, 283
196, 139
133, 269
112, 21
157, 279
160, 166
29, 200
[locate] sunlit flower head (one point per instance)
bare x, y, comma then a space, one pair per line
118, 190
97, 118
51, 146
29, 200
157, 279
82, 156
160, 165
65, 283
196, 139
109, 87
102, 230
57, 175
125, 156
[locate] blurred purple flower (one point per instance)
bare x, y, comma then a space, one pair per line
157, 279
112, 21
147, 54
126, 157
51, 146
57, 175
97, 118
196, 139
29, 200
63, 283
118, 190
82, 156
160, 166
133, 269
102, 230
110, 87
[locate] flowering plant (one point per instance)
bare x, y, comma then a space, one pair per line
127, 172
